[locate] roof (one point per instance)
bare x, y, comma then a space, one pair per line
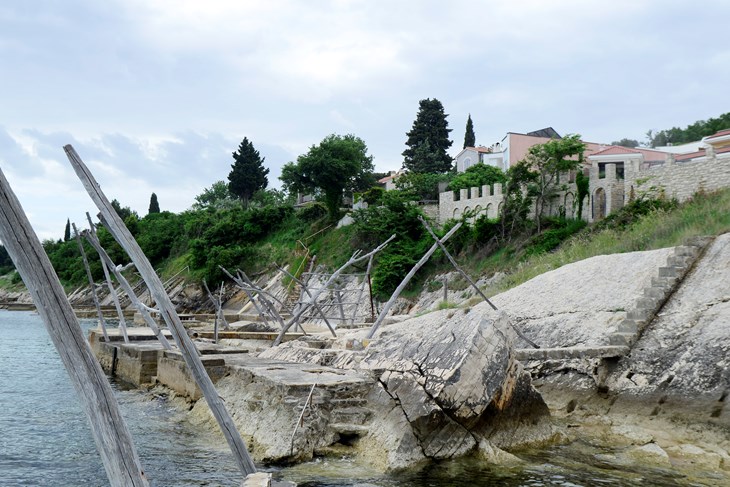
615, 149
547, 132
719, 134
701, 153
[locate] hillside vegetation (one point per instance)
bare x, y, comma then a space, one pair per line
252, 239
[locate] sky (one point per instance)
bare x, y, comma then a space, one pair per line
155, 95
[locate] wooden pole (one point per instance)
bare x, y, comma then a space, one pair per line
167, 310
249, 294
113, 292
306, 290
338, 299
356, 257
362, 290
220, 308
126, 287
102, 323
217, 310
110, 433
407, 279
469, 280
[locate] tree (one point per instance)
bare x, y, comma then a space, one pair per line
337, 164
216, 197
428, 140
67, 231
518, 196
248, 173
548, 160
470, 139
630, 143
476, 176
154, 205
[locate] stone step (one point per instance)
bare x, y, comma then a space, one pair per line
350, 415
647, 303
655, 292
622, 339
668, 272
665, 282
686, 250
348, 429
679, 260
348, 402
564, 353
628, 326
639, 314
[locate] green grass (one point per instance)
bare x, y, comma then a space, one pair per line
706, 214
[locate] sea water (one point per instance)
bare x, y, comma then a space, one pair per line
45, 438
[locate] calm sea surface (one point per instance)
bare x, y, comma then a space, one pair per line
45, 439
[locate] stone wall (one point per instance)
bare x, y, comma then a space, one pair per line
486, 200
681, 180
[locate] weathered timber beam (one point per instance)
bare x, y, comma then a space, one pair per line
470, 281
407, 279
110, 433
92, 286
167, 310
356, 257
126, 287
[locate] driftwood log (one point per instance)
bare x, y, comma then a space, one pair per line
108, 428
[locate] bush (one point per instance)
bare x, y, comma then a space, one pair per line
312, 212
559, 230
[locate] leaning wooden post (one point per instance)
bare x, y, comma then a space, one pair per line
362, 289
217, 309
469, 280
407, 279
167, 310
102, 324
220, 307
306, 290
356, 257
112, 438
126, 287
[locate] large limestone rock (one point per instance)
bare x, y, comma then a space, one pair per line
452, 376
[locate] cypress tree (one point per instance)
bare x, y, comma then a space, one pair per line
248, 173
154, 205
470, 139
430, 130
67, 231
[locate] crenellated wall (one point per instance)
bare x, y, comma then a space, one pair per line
488, 200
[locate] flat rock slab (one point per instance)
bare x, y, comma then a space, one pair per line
293, 374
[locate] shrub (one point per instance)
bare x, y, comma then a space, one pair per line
312, 212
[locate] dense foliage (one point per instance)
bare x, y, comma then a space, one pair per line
691, 133
334, 166
477, 176
428, 140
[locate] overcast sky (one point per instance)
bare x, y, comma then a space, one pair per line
156, 94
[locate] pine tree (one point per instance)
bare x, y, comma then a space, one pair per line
67, 232
470, 139
431, 130
248, 173
154, 205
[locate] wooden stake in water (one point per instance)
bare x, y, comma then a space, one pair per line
92, 286
167, 310
112, 438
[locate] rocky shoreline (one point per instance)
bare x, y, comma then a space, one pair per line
392, 403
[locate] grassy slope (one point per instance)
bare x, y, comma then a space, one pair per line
704, 215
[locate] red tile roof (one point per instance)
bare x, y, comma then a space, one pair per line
720, 133
481, 148
615, 149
